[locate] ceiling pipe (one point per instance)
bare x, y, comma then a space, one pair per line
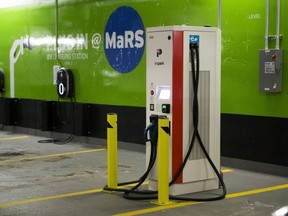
267, 25
278, 24
220, 14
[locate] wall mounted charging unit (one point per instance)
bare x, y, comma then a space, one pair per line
65, 83
2, 89
65, 89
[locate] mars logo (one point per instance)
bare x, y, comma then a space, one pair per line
124, 39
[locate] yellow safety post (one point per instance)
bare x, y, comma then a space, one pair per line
112, 156
163, 161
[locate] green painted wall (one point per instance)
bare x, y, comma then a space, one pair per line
243, 31
243, 28
95, 80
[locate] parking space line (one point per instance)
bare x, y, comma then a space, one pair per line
178, 205
227, 170
53, 155
143, 211
22, 202
14, 138
256, 191
158, 208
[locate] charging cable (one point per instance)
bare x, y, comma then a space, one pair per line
144, 195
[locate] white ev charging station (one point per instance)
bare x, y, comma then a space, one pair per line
169, 92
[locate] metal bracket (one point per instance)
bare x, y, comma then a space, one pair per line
274, 37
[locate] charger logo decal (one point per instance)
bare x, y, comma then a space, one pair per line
159, 52
194, 38
124, 39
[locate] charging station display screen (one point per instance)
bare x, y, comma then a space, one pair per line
164, 92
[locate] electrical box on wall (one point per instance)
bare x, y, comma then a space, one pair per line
270, 70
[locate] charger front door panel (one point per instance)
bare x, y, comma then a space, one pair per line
159, 78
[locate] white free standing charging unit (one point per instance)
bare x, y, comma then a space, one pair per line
169, 92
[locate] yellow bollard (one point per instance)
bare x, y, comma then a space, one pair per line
163, 161
112, 156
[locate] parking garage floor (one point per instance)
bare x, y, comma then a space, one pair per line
49, 179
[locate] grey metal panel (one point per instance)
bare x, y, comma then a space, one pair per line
270, 70
204, 116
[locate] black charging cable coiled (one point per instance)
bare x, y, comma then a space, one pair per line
144, 195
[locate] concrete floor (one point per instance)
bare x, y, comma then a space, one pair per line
48, 179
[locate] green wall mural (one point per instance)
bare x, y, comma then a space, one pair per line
81, 26
243, 31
